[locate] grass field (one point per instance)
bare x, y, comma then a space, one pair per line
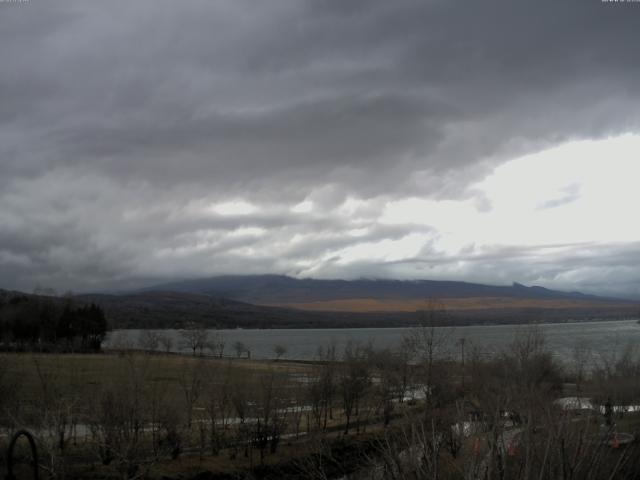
42, 390
29, 373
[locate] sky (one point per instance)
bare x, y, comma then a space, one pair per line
154, 140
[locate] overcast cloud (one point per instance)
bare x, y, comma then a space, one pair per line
152, 140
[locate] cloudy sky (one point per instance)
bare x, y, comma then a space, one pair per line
490, 141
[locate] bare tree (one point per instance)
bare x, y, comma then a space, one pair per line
10, 393
298, 397
270, 412
57, 408
429, 342
166, 341
579, 364
617, 376
242, 396
218, 406
119, 417
239, 348
462, 343
279, 350
327, 382
385, 390
354, 379
194, 338
156, 406
148, 340
216, 345
191, 380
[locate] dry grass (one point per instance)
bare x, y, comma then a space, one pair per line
87, 373
373, 305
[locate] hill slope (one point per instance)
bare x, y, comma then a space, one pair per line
279, 290
159, 309
166, 309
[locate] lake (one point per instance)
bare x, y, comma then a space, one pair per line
606, 339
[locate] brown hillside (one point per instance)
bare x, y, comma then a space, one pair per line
371, 305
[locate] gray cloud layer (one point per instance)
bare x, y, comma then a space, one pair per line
118, 119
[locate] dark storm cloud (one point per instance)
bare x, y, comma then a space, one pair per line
235, 92
120, 122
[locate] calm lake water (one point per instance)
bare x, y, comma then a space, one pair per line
605, 339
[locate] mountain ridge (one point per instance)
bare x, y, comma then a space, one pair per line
281, 289
170, 309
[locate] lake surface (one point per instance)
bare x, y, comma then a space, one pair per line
605, 339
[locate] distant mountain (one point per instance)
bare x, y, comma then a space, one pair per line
162, 309
166, 309
283, 290
175, 309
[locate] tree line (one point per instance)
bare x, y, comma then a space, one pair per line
38, 323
